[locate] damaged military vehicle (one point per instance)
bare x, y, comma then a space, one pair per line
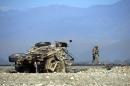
43, 57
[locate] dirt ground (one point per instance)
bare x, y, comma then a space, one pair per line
89, 76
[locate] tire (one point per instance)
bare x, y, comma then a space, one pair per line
14, 57
40, 44
19, 68
53, 65
60, 67
49, 65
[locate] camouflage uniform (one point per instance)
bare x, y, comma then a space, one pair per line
95, 53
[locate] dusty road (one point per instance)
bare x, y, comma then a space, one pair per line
117, 76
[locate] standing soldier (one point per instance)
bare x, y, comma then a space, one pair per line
95, 53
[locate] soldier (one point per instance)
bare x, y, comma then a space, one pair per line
95, 53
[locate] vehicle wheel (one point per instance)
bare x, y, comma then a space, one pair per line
50, 65
19, 69
14, 57
60, 67
53, 65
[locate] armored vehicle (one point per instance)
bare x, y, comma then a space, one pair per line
43, 57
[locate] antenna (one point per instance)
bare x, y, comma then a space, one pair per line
70, 41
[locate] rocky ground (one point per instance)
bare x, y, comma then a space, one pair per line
89, 76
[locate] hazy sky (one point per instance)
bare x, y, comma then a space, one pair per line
21, 4
107, 26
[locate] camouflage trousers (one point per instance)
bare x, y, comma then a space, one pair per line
95, 59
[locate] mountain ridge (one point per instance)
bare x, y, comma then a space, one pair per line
101, 25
